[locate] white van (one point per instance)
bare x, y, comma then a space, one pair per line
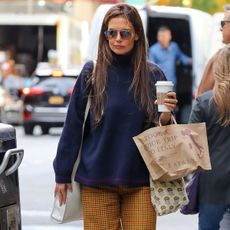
191, 29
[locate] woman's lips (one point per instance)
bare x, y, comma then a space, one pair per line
118, 46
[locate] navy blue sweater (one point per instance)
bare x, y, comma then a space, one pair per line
109, 154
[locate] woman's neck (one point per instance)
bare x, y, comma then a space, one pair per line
122, 60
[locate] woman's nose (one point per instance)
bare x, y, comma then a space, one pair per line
118, 37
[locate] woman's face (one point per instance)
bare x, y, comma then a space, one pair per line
164, 37
226, 28
121, 35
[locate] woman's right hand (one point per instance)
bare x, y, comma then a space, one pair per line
61, 191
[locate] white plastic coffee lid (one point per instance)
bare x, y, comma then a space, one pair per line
166, 83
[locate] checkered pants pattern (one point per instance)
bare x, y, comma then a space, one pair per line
117, 208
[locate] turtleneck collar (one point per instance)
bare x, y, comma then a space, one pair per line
122, 60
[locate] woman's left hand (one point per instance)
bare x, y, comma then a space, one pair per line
171, 103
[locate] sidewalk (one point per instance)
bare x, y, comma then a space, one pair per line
40, 220
48, 227
175, 221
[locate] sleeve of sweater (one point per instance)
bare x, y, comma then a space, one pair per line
156, 74
70, 140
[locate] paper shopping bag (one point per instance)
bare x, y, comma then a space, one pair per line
167, 197
174, 151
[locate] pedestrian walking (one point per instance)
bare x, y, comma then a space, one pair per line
207, 81
121, 88
213, 108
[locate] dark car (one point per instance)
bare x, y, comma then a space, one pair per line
45, 101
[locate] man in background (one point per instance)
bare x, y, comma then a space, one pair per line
166, 53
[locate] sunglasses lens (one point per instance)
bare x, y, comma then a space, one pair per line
222, 23
125, 34
110, 34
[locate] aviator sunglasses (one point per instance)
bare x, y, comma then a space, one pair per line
222, 23
111, 34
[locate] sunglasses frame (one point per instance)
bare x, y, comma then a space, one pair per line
223, 22
124, 34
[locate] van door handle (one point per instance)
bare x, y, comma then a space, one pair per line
19, 154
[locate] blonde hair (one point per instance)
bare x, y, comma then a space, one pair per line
221, 91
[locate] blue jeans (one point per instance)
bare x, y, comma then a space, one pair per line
210, 216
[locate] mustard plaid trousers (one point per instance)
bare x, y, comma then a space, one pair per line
117, 208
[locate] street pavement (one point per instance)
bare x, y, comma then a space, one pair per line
174, 221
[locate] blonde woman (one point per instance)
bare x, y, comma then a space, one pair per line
213, 107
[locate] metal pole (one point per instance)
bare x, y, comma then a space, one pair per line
40, 43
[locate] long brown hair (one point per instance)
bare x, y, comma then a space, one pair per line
141, 84
221, 91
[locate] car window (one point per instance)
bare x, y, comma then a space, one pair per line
63, 84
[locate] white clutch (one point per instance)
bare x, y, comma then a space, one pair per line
71, 210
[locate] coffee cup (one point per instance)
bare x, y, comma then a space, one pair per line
162, 88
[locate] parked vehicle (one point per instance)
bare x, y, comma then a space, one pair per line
11, 112
4, 97
45, 102
191, 29
10, 107
11, 104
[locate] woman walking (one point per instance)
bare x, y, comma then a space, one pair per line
121, 87
213, 107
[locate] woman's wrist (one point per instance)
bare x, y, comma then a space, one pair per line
165, 118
